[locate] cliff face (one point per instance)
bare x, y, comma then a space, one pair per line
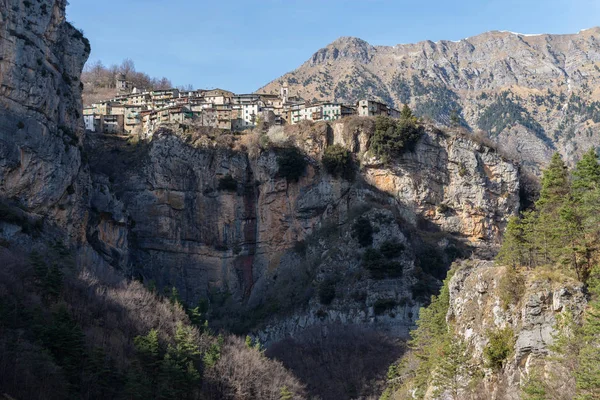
533, 94
162, 212
476, 309
41, 58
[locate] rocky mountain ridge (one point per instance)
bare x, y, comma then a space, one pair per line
532, 94
111, 228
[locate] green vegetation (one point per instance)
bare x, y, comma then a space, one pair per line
559, 237
380, 267
441, 105
362, 231
499, 348
327, 291
392, 137
534, 387
562, 229
359, 84
227, 183
53, 342
505, 112
440, 356
391, 249
292, 163
338, 162
578, 343
383, 305
165, 372
511, 287
402, 89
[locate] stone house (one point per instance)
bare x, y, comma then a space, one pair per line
371, 108
113, 124
133, 117
218, 96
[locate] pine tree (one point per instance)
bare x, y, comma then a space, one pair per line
148, 350
213, 354
431, 337
555, 191
513, 251
555, 182
285, 394
586, 175
586, 194
534, 387
174, 296
406, 113
453, 373
587, 373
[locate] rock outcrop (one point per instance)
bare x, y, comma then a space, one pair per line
41, 58
532, 94
476, 308
190, 212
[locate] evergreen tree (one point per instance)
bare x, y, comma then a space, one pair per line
64, 338
213, 354
586, 193
513, 251
406, 113
453, 373
555, 191
534, 388
285, 394
586, 175
587, 373
430, 339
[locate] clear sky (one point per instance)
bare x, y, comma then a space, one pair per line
240, 45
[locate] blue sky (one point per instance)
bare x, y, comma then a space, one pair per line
242, 45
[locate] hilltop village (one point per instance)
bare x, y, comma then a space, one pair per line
141, 111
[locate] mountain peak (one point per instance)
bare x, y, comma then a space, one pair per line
344, 47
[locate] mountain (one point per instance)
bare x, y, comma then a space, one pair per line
122, 256
533, 94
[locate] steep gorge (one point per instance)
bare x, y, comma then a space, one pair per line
213, 216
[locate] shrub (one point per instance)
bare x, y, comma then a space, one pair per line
379, 266
327, 291
228, 183
511, 287
338, 162
362, 231
391, 249
20, 125
443, 208
499, 348
383, 305
392, 137
292, 163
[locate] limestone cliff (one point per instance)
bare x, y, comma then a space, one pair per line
478, 308
163, 213
41, 58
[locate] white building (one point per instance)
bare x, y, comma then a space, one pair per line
250, 114
89, 122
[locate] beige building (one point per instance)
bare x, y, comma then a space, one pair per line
218, 96
133, 117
